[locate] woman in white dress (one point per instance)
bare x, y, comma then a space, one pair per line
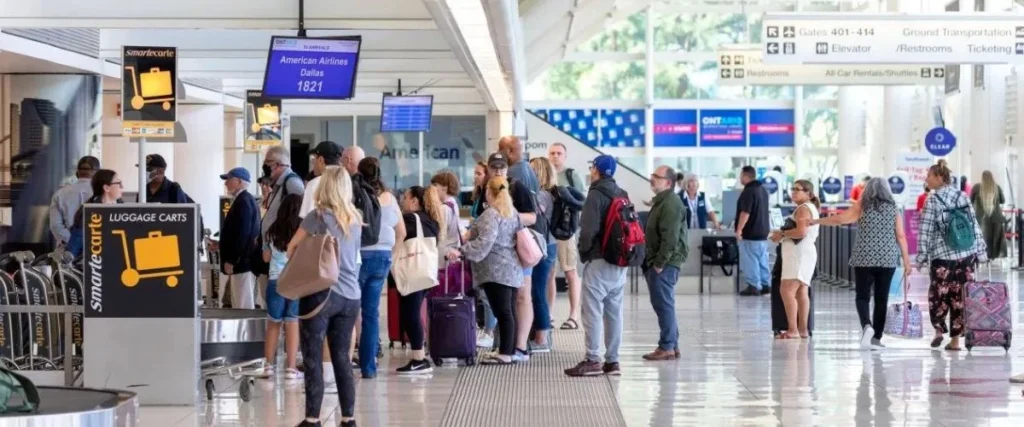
799, 257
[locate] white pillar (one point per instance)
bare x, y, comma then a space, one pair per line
853, 148
499, 123
896, 131
799, 142
201, 160
649, 93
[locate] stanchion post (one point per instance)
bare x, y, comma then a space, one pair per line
143, 175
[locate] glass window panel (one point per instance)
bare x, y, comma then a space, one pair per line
821, 128
626, 35
589, 80
339, 130
703, 32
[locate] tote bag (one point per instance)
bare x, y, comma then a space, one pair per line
414, 262
903, 319
312, 268
528, 246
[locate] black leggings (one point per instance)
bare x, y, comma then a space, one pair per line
410, 308
877, 279
503, 303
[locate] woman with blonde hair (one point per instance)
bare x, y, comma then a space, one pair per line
490, 249
548, 180
422, 205
988, 200
334, 310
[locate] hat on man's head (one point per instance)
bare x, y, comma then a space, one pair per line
605, 165
155, 161
239, 172
497, 160
88, 163
329, 150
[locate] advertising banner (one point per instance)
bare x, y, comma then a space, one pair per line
772, 128
675, 128
723, 128
915, 166
140, 260
262, 121
149, 77
743, 65
911, 223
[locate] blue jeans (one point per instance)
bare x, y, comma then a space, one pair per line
754, 263
373, 273
662, 288
539, 290
280, 308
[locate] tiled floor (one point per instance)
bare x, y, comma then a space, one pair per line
732, 373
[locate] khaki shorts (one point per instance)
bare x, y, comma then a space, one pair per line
568, 254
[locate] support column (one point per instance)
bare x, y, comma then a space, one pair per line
201, 160
649, 93
853, 150
896, 131
499, 123
799, 142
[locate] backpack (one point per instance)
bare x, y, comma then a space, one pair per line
568, 177
623, 244
959, 232
13, 384
367, 203
565, 220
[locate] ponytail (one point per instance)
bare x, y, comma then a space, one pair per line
430, 200
941, 170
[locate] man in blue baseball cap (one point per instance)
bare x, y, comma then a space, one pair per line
603, 282
238, 236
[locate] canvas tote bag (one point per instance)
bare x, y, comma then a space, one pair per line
414, 262
313, 268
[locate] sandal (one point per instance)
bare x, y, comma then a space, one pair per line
570, 325
937, 341
496, 359
949, 347
784, 335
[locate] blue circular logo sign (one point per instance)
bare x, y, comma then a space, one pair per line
939, 142
771, 185
896, 185
832, 185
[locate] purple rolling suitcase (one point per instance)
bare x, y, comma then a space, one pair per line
987, 314
452, 326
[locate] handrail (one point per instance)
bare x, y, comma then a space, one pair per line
621, 165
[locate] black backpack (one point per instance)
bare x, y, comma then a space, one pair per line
565, 220
367, 203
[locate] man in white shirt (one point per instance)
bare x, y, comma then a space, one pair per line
326, 153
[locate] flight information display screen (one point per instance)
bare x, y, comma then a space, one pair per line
406, 113
312, 68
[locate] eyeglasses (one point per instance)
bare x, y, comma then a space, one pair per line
796, 189
119, 184
656, 176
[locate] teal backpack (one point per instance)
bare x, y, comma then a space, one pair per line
959, 233
12, 384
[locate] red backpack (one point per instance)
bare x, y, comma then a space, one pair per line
623, 244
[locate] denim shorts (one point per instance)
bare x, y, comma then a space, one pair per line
280, 308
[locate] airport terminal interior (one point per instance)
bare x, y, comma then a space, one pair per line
157, 160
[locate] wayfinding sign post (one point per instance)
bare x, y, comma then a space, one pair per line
856, 38
744, 65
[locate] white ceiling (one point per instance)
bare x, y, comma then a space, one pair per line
13, 63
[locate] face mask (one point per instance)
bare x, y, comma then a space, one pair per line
266, 170
151, 175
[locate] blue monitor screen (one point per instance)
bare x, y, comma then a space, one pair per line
406, 113
312, 68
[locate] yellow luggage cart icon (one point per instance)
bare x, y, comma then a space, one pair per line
267, 114
154, 252
156, 86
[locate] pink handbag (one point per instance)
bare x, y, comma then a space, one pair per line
528, 246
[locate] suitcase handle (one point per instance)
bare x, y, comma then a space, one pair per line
154, 70
155, 234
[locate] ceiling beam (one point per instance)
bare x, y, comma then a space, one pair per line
228, 24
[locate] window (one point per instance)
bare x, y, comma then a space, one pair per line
625, 36
687, 32
821, 128
590, 80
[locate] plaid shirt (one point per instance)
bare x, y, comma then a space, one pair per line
931, 244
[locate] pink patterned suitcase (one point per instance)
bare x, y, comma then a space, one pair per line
987, 313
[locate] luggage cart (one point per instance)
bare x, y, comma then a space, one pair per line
157, 87
242, 373
153, 252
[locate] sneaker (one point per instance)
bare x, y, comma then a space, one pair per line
866, 337
765, 290
611, 368
266, 372
659, 355
750, 291
585, 368
540, 348
484, 340
349, 423
416, 367
876, 344
521, 356
292, 374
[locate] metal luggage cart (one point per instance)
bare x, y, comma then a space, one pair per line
217, 370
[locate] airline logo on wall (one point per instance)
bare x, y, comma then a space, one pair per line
149, 78
262, 121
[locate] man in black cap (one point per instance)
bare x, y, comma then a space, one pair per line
326, 153
67, 200
160, 189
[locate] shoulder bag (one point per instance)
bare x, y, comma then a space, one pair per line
311, 269
528, 245
415, 262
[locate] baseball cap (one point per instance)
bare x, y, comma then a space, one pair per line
88, 163
497, 160
155, 161
239, 172
329, 150
605, 165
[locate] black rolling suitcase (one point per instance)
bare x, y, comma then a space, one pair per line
779, 321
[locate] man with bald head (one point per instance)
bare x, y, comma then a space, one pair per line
518, 168
351, 158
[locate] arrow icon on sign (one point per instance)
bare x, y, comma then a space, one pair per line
773, 48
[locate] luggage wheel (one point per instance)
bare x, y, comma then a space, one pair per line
245, 389
209, 389
470, 361
438, 362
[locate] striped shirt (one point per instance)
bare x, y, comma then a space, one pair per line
931, 244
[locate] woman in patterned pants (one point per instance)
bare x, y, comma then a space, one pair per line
946, 296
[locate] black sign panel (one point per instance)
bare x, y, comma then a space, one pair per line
149, 77
140, 260
262, 121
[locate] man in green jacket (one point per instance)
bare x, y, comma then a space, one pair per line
666, 252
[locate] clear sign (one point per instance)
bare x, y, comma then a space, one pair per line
939, 142
832, 185
312, 68
149, 77
744, 66
770, 184
873, 38
675, 128
897, 185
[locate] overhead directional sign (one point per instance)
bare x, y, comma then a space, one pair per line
862, 38
742, 65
